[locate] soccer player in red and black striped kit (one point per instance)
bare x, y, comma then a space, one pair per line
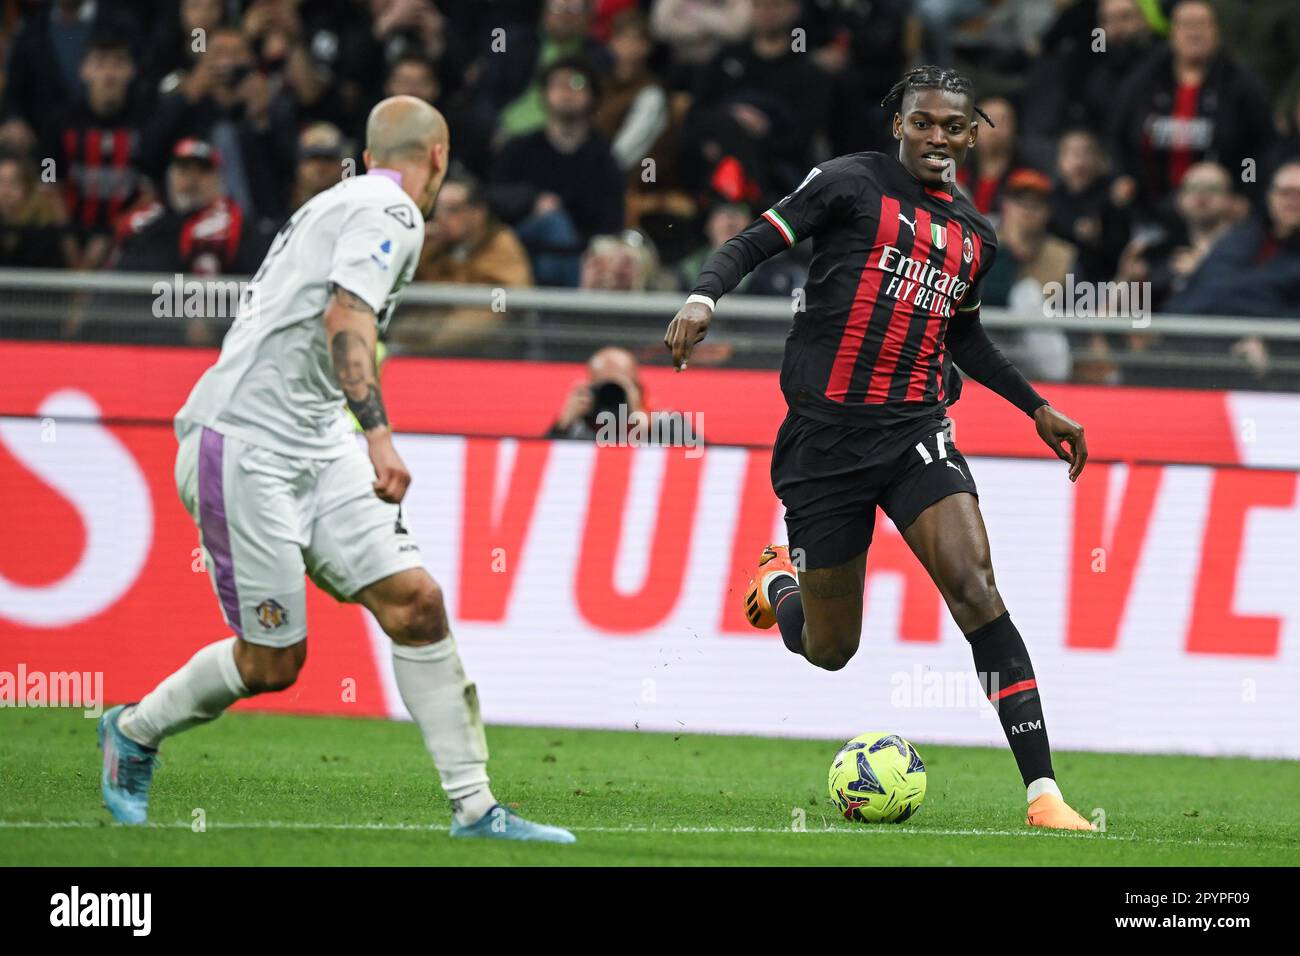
892, 303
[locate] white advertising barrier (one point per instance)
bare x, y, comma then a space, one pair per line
1176, 630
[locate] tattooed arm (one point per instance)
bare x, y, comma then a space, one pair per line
351, 333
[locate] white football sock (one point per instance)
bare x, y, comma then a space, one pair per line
1041, 786
198, 692
444, 705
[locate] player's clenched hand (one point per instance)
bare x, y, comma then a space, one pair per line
391, 476
1057, 431
686, 330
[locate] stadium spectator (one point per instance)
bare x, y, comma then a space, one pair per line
605, 12
92, 144
176, 41
275, 31
464, 244
561, 185
1129, 43
1190, 102
696, 30
865, 47
1161, 259
995, 155
1029, 258
516, 86
612, 388
194, 231
753, 119
321, 155
633, 113
1254, 268
31, 220
407, 27
42, 74
250, 119
1167, 255
623, 263
197, 229
1075, 81
941, 19
1082, 210
779, 275
414, 75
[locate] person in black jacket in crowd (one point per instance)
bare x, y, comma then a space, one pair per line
561, 185
1191, 102
1083, 212
757, 107
251, 120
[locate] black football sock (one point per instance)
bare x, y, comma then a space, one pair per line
783, 595
1008, 680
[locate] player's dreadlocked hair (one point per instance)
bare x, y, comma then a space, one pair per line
932, 78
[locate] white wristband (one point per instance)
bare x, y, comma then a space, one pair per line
703, 300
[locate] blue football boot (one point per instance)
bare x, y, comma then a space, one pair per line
127, 771
500, 824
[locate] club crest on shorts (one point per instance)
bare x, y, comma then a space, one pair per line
271, 614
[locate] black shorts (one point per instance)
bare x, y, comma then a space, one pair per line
831, 477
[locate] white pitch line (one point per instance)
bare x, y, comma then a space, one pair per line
442, 828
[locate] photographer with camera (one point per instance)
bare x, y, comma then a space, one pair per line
613, 388
227, 100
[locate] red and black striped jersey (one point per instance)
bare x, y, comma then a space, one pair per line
894, 262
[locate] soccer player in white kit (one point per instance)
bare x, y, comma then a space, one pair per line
270, 469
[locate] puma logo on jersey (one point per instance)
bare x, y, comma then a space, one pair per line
910, 223
811, 173
953, 464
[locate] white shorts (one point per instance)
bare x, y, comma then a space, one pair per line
265, 519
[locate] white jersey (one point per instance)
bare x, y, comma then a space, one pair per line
274, 384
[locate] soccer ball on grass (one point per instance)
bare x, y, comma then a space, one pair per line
877, 778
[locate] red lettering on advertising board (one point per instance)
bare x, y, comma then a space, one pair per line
1101, 565
492, 539
1215, 628
599, 602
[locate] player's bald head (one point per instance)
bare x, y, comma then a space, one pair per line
403, 127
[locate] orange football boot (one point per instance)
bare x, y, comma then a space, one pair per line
774, 559
1052, 812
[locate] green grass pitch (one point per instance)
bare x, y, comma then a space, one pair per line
335, 791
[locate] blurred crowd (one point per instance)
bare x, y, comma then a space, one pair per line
611, 144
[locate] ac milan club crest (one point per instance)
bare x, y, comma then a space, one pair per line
967, 250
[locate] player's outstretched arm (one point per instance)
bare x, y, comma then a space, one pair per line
977, 356
722, 272
820, 202
350, 330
